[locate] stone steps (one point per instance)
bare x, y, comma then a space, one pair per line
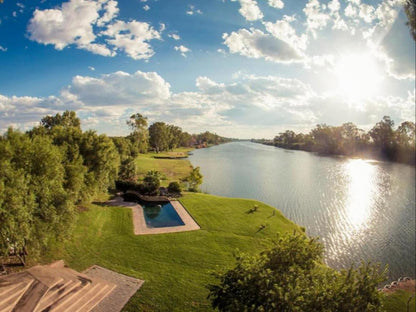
51, 288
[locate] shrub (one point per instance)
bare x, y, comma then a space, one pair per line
174, 187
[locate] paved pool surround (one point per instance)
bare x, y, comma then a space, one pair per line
139, 223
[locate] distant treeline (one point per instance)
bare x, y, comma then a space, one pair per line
383, 141
49, 171
160, 137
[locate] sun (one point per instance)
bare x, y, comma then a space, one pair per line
358, 76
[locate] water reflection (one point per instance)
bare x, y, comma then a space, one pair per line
361, 193
360, 209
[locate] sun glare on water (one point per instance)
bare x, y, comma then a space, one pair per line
358, 76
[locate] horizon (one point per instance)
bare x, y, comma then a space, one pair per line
236, 68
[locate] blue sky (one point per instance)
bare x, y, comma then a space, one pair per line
240, 68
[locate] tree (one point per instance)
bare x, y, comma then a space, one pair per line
327, 139
159, 136
174, 188
383, 137
410, 9
67, 119
290, 276
194, 179
151, 182
139, 135
128, 170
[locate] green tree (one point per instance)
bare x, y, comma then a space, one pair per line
174, 136
102, 160
290, 276
383, 137
327, 139
174, 187
128, 171
139, 135
159, 136
194, 179
67, 119
151, 182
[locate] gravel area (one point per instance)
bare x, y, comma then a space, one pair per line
117, 299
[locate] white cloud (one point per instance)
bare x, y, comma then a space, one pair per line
249, 10
91, 68
351, 11
70, 24
334, 6
315, 17
283, 30
110, 12
278, 4
192, 10
367, 13
3, 49
174, 36
182, 49
246, 104
254, 43
146, 7
92, 26
132, 38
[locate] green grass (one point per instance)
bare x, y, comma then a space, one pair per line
171, 169
176, 267
397, 301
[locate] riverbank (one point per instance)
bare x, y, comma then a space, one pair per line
366, 153
176, 267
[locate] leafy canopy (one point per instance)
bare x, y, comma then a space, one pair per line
290, 276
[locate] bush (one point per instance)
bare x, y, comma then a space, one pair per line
151, 182
291, 276
174, 187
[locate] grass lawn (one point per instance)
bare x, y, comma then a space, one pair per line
176, 267
172, 169
397, 301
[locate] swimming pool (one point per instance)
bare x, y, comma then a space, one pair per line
159, 215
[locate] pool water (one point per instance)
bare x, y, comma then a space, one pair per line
159, 215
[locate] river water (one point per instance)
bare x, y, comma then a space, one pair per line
360, 209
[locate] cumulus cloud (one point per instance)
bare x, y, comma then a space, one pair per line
283, 30
250, 10
146, 7
132, 38
3, 49
254, 43
119, 88
110, 12
192, 10
92, 26
174, 36
248, 103
278, 4
182, 49
315, 17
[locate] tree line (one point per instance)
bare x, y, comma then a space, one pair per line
160, 137
44, 174
383, 141
50, 170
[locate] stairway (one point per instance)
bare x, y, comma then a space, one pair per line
51, 288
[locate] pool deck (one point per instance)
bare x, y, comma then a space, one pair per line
139, 223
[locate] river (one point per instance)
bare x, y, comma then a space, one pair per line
360, 209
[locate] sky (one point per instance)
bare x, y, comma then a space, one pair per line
239, 68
